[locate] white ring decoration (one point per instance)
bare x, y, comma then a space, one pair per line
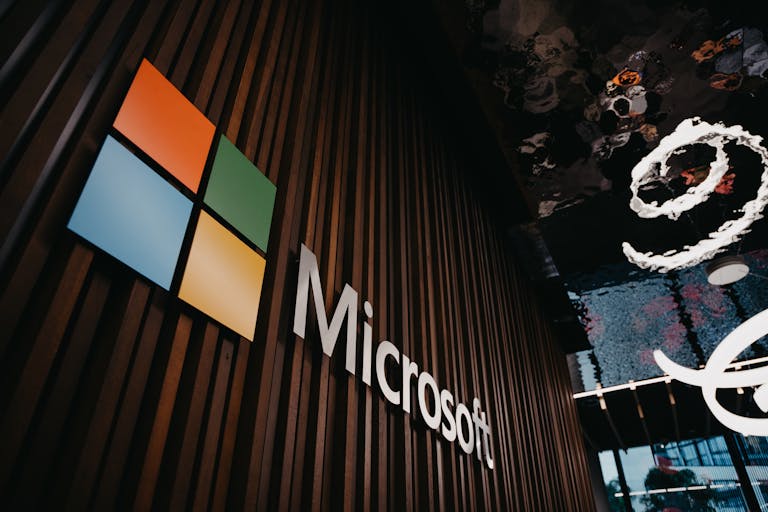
713, 376
695, 131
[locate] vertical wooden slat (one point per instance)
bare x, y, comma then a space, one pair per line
202, 489
333, 102
107, 401
227, 441
33, 96
47, 436
145, 492
189, 440
135, 385
29, 387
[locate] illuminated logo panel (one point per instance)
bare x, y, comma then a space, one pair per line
180, 205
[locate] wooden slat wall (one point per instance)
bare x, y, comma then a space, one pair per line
116, 395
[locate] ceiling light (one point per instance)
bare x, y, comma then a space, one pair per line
714, 375
726, 270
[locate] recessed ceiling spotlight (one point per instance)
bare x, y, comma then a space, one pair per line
726, 270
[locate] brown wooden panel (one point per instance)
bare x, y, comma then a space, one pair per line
203, 489
117, 395
46, 438
227, 440
109, 388
116, 455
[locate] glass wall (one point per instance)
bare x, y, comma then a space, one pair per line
754, 452
692, 475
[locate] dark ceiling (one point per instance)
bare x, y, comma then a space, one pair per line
576, 93
574, 133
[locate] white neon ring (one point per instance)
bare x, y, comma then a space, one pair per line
713, 376
693, 131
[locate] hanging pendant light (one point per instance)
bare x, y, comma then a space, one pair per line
726, 270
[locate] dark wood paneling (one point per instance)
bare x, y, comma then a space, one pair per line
117, 395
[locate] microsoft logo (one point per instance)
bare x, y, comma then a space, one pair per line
180, 204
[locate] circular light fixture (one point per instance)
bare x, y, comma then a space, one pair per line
726, 270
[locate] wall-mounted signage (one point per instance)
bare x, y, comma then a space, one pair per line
439, 408
180, 205
188, 211
654, 165
714, 375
